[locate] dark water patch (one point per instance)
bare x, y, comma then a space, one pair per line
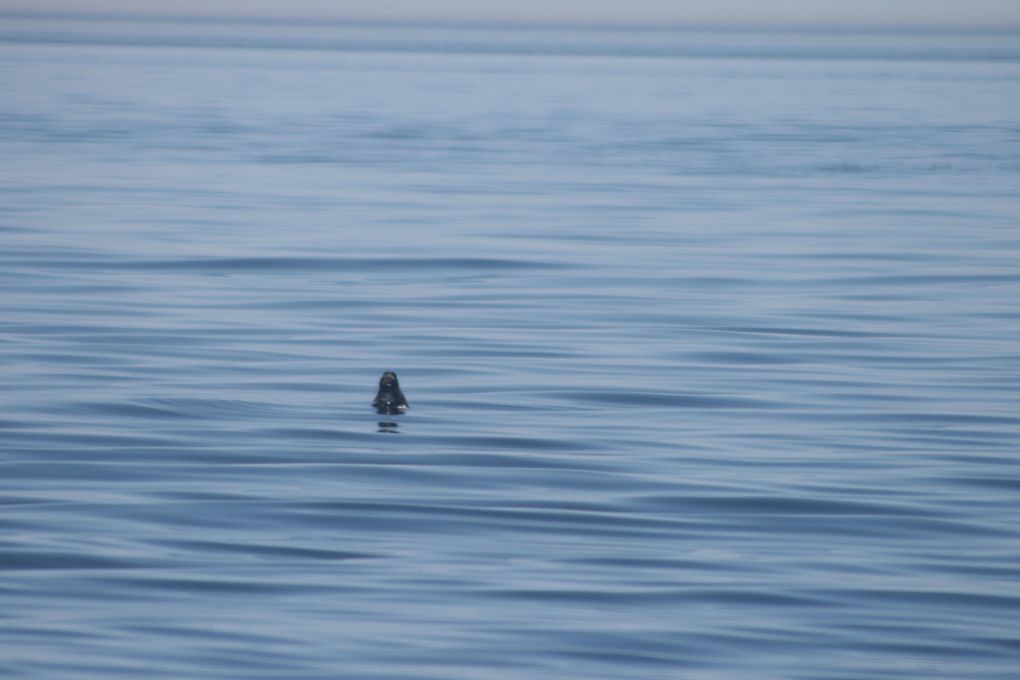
464, 521
932, 652
507, 516
121, 343
75, 359
220, 409
808, 332
35, 561
884, 357
972, 570
969, 459
775, 505
188, 586
269, 552
289, 265
744, 358
511, 353
484, 401
625, 658
533, 448
663, 598
654, 564
330, 305
197, 631
935, 420
81, 442
896, 281
307, 434
129, 410
931, 600
818, 518
496, 443
940, 440
526, 461
1004, 482
868, 257
30, 633
660, 399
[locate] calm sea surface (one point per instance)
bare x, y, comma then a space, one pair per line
711, 341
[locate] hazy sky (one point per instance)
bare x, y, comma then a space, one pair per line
962, 13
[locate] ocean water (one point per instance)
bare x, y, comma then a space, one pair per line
711, 342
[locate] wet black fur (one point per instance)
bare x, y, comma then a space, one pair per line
389, 400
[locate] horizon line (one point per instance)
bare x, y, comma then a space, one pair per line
773, 26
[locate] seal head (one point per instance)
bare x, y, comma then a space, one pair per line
389, 400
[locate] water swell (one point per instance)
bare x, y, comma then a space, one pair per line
289, 265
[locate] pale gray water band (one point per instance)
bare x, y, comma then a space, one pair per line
713, 358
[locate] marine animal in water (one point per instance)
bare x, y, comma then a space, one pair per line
389, 400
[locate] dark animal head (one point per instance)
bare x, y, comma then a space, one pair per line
389, 381
389, 400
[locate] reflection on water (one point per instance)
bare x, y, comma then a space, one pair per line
388, 426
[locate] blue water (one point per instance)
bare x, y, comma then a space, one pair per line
711, 341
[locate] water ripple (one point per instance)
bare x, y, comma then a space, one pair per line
713, 369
